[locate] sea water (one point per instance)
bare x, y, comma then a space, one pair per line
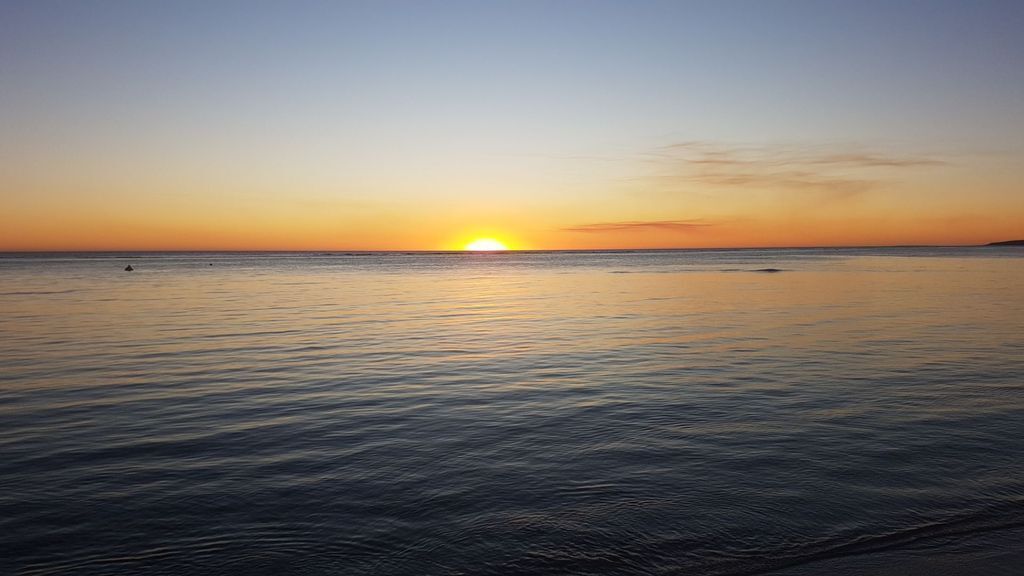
856, 411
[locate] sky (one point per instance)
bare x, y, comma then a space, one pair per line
423, 125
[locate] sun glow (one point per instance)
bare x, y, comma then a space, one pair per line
485, 245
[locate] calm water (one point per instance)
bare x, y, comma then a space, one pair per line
859, 412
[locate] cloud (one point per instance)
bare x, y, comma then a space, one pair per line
637, 225
826, 170
797, 177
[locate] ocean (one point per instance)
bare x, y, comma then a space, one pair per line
693, 412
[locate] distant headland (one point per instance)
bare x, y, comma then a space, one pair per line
1007, 243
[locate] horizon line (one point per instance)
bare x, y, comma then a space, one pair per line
461, 251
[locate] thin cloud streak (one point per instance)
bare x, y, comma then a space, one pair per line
868, 160
637, 225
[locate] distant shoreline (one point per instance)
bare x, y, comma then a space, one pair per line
1007, 243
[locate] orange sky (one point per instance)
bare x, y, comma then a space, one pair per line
685, 195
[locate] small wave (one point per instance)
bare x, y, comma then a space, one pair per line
1003, 517
38, 292
278, 547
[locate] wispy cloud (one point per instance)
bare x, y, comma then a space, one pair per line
635, 225
801, 177
828, 170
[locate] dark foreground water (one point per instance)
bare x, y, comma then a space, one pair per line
857, 412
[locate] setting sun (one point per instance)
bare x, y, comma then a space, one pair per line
485, 245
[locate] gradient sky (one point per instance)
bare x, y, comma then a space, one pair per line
558, 124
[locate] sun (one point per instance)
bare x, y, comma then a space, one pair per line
485, 245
